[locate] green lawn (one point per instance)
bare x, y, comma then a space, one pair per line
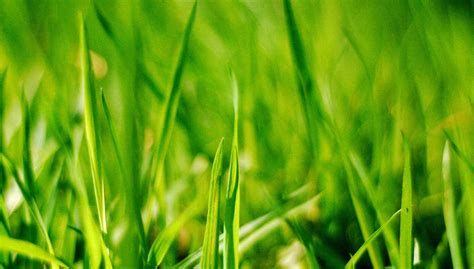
237, 134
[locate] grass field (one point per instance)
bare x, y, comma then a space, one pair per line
237, 134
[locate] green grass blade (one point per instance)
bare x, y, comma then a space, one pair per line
30, 250
406, 218
169, 114
388, 233
307, 88
352, 262
91, 125
3, 74
210, 257
96, 250
130, 194
27, 162
449, 210
362, 216
232, 201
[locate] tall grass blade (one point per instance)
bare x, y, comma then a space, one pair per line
169, 114
232, 201
352, 262
96, 250
449, 210
406, 218
30, 250
131, 196
307, 89
3, 74
91, 125
210, 257
388, 233
27, 162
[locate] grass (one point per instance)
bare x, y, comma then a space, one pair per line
126, 142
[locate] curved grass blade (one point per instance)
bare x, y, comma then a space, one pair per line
449, 210
406, 218
168, 117
30, 250
352, 262
91, 126
210, 258
232, 201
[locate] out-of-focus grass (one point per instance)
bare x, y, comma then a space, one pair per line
326, 90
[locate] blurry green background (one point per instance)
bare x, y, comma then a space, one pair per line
380, 69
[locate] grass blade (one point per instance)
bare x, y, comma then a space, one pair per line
91, 125
352, 262
30, 250
210, 257
307, 89
3, 74
449, 210
169, 115
232, 201
131, 195
406, 218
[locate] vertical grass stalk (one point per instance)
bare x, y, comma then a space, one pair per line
91, 126
232, 201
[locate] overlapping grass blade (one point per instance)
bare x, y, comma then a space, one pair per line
449, 210
210, 257
406, 218
30, 250
91, 126
30, 201
254, 231
306, 239
96, 250
232, 201
388, 232
362, 215
352, 262
169, 115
